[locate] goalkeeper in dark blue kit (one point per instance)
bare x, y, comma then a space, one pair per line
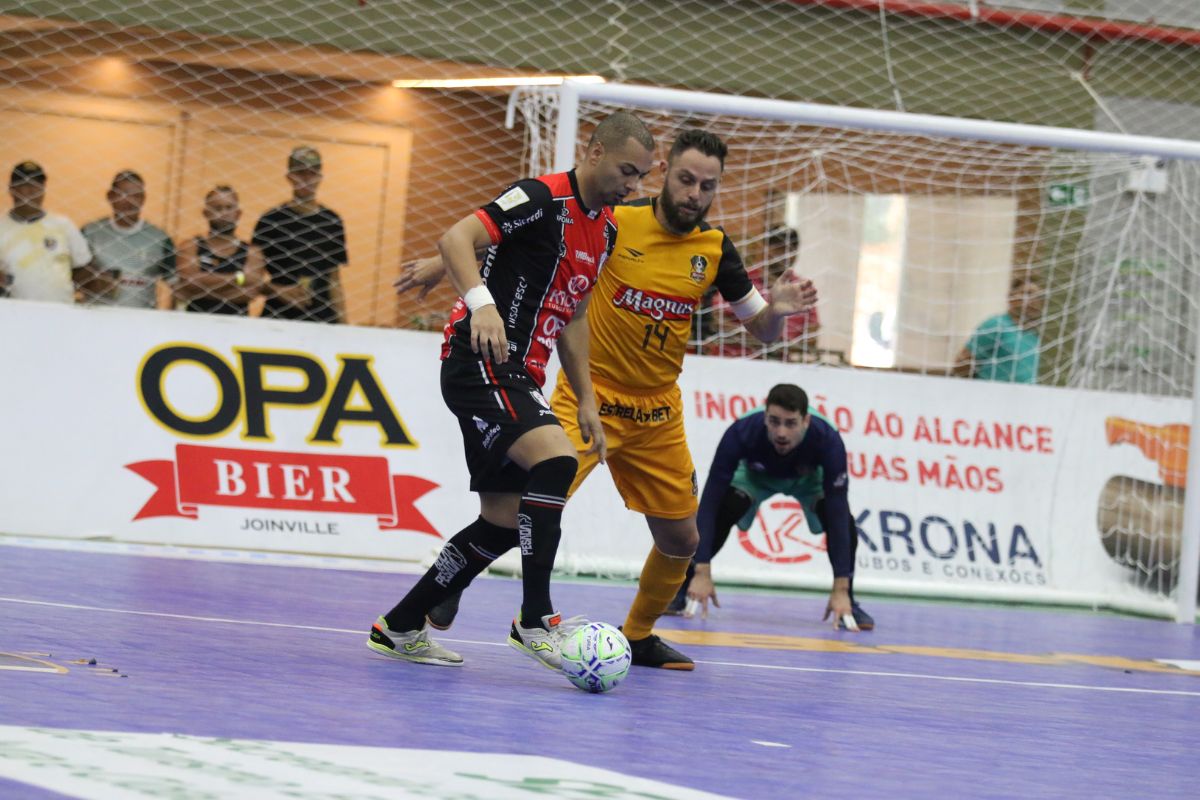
780, 449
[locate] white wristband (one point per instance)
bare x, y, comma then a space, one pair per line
478, 297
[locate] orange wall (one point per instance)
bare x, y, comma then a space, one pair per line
400, 166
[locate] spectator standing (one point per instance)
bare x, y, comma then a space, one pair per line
138, 257
304, 244
220, 273
43, 256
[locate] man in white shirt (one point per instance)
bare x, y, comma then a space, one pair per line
42, 256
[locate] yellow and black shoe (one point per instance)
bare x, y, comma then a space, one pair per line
654, 652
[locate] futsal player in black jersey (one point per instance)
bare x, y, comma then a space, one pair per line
544, 241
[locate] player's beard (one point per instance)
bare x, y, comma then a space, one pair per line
678, 219
221, 228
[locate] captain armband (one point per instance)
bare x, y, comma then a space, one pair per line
749, 305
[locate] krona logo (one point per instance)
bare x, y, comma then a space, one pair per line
651, 304
780, 534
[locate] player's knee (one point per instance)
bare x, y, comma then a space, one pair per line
690, 543
676, 539
553, 476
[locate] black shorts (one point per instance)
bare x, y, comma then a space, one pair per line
495, 404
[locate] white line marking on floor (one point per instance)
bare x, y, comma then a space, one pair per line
769, 744
223, 620
737, 664
921, 676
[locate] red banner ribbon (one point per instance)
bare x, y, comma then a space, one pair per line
222, 476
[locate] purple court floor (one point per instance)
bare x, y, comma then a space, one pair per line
267, 665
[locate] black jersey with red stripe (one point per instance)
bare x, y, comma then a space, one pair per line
547, 251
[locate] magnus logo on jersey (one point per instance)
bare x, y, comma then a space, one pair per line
652, 304
699, 267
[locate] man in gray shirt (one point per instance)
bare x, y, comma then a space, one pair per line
139, 257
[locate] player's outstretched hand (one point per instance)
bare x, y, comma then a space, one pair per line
701, 590
840, 609
487, 334
592, 431
792, 294
423, 272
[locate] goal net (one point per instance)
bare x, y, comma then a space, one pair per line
915, 230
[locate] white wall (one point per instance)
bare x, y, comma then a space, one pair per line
86, 456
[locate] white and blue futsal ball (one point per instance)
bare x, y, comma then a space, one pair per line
596, 657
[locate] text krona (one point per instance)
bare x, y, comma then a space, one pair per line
244, 394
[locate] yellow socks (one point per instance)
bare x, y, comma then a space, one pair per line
662, 575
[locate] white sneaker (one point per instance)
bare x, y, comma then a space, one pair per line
544, 644
411, 646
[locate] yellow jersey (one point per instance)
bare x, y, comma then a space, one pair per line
640, 314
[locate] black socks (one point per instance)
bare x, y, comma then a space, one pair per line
538, 532
468, 553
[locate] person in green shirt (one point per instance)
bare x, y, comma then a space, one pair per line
138, 258
1006, 347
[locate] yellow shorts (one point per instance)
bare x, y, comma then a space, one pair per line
647, 450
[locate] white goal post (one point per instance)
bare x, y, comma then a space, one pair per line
554, 142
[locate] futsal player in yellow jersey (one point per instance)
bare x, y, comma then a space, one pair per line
665, 259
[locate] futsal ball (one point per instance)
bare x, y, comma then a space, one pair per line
596, 657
